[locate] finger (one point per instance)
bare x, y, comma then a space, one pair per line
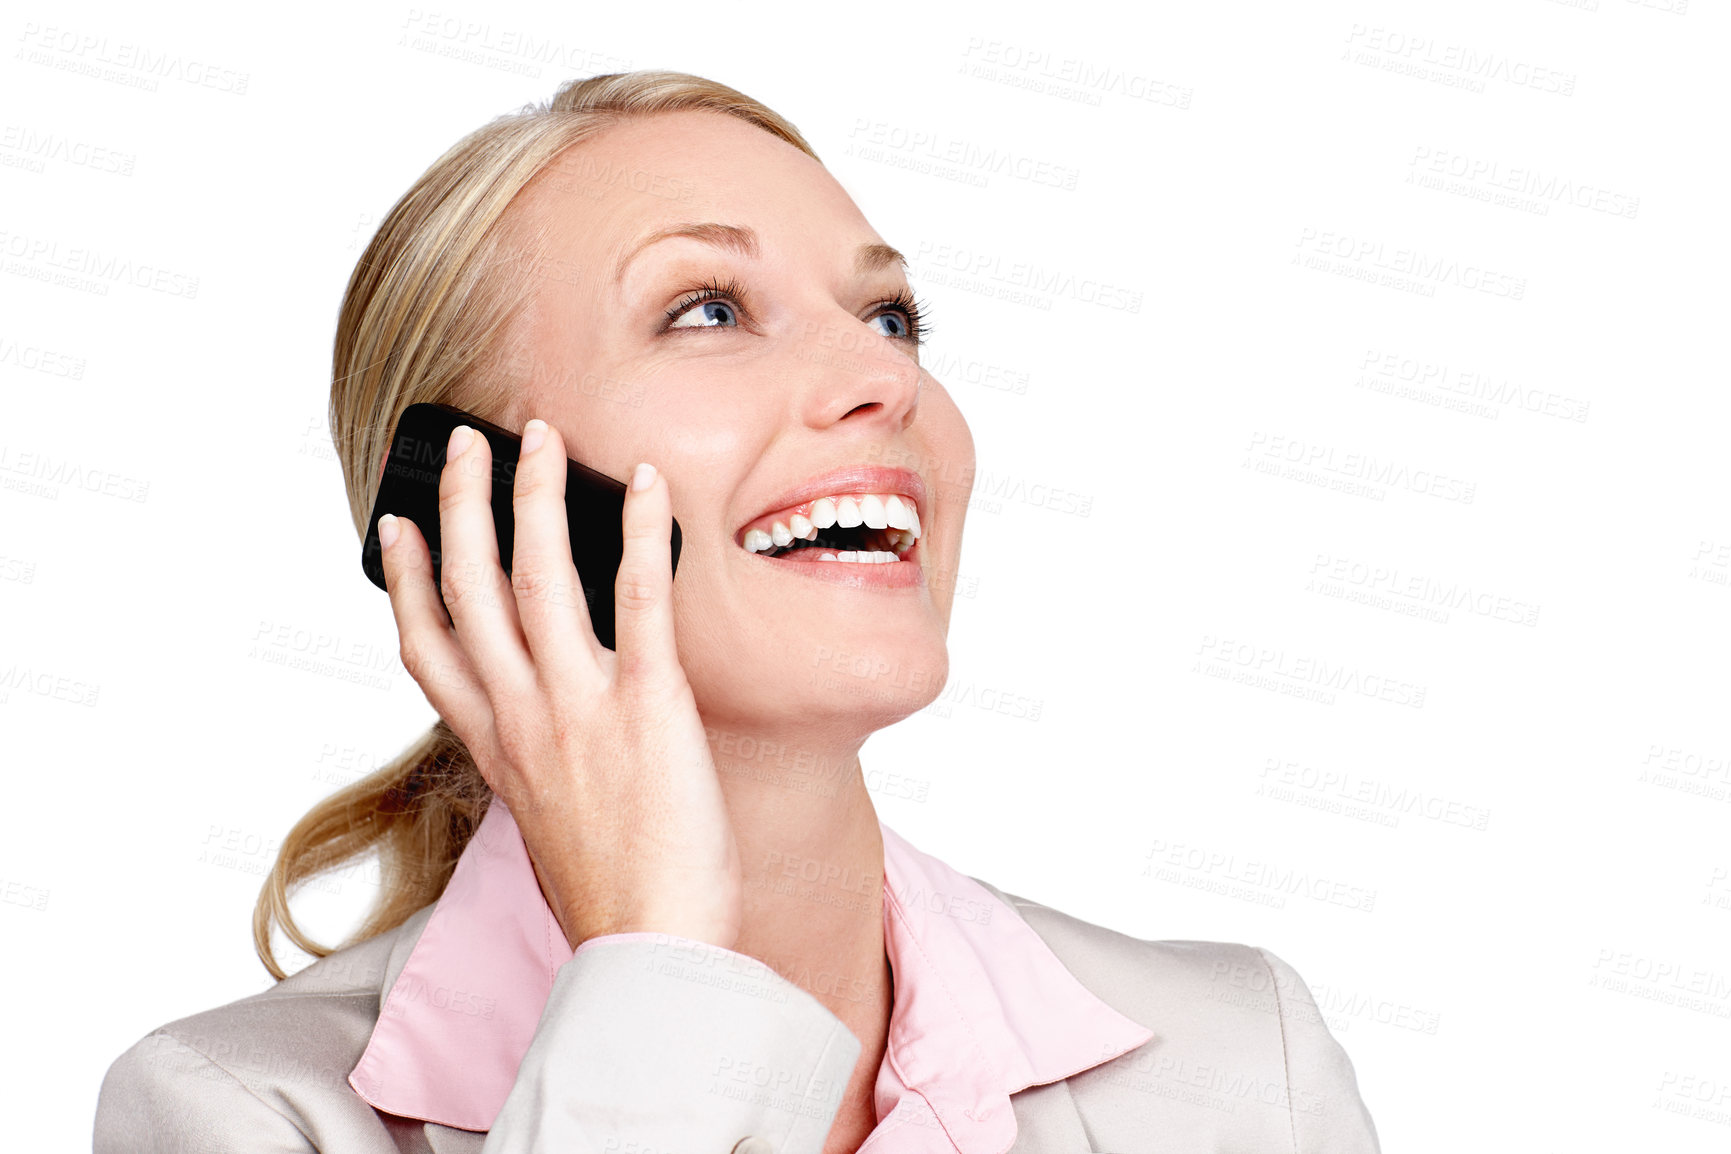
426, 643
643, 590
477, 592
549, 591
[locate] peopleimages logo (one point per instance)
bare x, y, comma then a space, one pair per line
41, 258
1429, 166
1066, 77
1426, 58
121, 61
1300, 459
885, 142
1371, 257
1264, 667
935, 262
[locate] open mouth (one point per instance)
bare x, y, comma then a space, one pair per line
862, 528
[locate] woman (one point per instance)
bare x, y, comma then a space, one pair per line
654, 275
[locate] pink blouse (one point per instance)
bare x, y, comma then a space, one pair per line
982, 1007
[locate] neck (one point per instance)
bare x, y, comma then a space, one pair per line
811, 851
813, 861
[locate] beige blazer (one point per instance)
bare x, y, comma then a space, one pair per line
1240, 1061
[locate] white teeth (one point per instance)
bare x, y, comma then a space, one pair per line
849, 556
828, 557
896, 516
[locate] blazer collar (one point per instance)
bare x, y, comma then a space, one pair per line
983, 1008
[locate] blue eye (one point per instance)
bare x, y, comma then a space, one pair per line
711, 314
711, 305
898, 326
907, 318
721, 305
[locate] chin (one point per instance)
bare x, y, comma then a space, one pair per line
855, 678
876, 683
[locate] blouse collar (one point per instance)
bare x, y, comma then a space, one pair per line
983, 1008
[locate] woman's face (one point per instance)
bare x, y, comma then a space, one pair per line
800, 381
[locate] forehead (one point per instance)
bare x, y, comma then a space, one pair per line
656, 171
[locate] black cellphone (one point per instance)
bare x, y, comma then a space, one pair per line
594, 503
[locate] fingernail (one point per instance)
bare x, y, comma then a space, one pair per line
644, 476
388, 530
460, 438
533, 434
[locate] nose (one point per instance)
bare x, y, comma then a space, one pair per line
855, 373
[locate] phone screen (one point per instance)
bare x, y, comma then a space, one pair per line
409, 488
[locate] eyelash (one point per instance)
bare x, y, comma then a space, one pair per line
734, 292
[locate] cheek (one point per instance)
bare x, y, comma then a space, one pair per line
955, 429
706, 451
951, 460
599, 430
610, 422
698, 628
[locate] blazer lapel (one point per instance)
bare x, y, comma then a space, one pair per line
1046, 1116
1046, 1120
449, 1140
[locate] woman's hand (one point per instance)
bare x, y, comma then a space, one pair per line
600, 755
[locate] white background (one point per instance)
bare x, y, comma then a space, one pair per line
1463, 762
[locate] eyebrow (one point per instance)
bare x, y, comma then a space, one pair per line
868, 258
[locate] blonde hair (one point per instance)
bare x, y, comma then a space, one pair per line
423, 319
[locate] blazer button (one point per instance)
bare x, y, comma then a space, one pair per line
752, 1145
